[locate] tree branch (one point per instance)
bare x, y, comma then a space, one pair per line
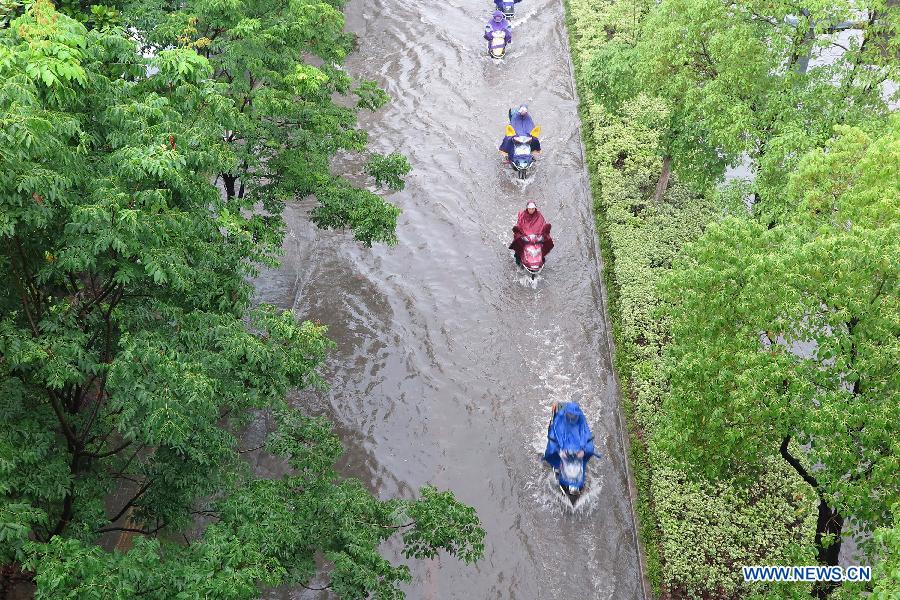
880, 287
796, 464
109, 452
24, 297
98, 401
131, 530
252, 449
841, 46
67, 429
131, 502
315, 589
758, 17
104, 292
69, 500
851, 79
29, 278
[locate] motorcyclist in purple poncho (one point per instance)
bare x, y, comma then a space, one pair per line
521, 120
498, 22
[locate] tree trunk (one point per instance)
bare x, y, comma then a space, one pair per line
828, 522
663, 182
229, 181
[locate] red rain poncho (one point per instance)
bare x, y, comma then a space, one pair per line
528, 224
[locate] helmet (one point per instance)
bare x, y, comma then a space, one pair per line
531, 204
498, 16
523, 110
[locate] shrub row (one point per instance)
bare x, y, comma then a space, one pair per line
695, 535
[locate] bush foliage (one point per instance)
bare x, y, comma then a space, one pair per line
672, 93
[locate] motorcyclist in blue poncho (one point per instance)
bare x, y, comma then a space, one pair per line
520, 125
569, 443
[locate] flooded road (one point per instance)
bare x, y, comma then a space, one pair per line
447, 357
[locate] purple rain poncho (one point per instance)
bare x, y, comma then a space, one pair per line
495, 25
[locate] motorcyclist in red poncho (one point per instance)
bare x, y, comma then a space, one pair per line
531, 223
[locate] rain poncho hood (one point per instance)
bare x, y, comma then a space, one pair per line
571, 437
523, 124
531, 223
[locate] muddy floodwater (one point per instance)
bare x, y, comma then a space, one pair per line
447, 357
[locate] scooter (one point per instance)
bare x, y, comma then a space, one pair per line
497, 45
532, 256
521, 158
508, 7
571, 476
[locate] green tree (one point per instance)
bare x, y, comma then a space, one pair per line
785, 339
289, 127
130, 359
887, 573
736, 77
725, 83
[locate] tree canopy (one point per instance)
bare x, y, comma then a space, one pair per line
287, 127
761, 357
739, 81
785, 337
131, 357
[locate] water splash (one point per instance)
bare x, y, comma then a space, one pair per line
518, 20
523, 184
559, 384
527, 281
546, 491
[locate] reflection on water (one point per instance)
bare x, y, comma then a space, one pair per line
447, 357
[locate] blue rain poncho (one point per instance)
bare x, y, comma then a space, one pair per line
571, 437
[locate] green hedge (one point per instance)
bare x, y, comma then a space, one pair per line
696, 535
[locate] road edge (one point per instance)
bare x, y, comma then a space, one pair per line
624, 439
